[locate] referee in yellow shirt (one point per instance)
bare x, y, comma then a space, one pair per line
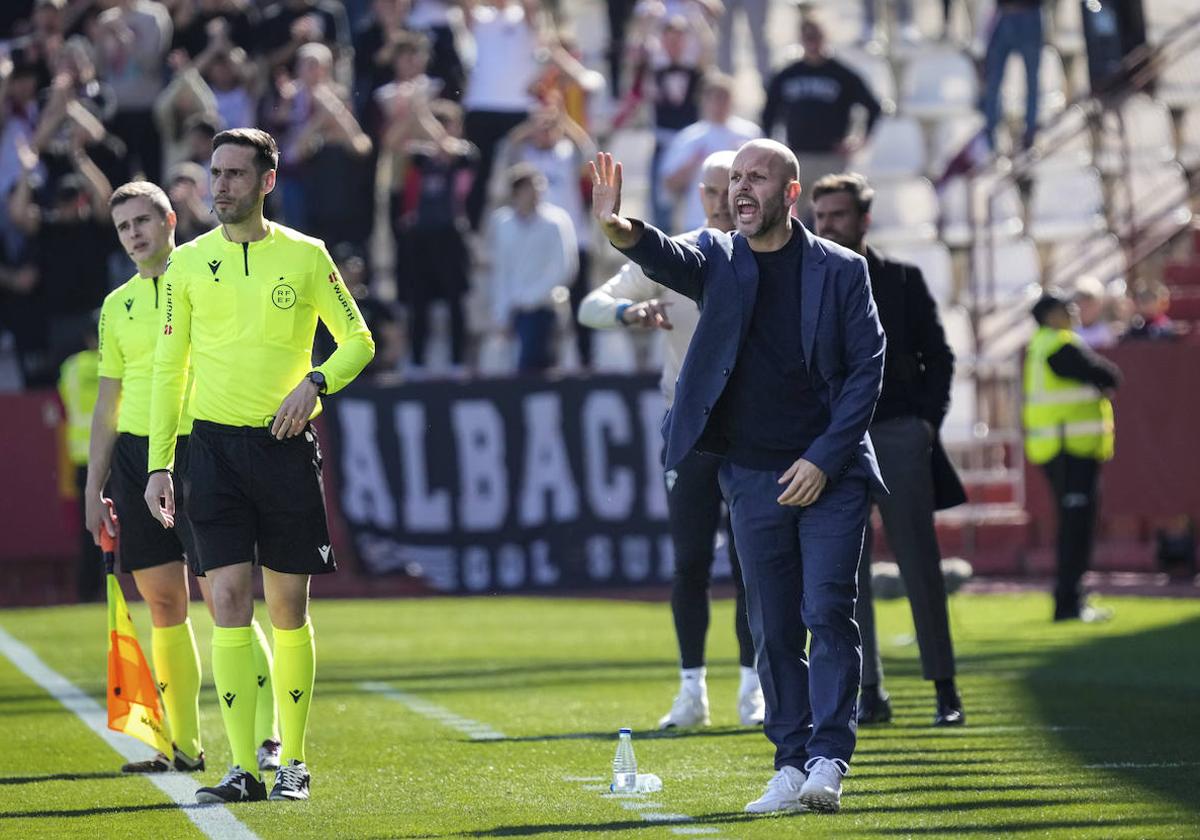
242, 301
130, 323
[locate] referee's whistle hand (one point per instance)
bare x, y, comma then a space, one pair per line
160, 498
295, 410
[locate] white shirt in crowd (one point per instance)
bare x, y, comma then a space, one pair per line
505, 60
562, 165
630, 285
695, 143
530, 256
134, 68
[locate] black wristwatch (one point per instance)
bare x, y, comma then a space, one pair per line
317, 378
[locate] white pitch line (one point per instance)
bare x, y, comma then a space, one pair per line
473, 729
646, 809
213, 820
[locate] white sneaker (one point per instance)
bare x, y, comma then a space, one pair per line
823, 790
268, 755
689, 709
782, 793
751, 707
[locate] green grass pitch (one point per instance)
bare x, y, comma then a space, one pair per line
1073, 731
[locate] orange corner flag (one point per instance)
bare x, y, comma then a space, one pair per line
133, 704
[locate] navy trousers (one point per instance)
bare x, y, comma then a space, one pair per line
800, 567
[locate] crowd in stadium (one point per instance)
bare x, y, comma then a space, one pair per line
410, 116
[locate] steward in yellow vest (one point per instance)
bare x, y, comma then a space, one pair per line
1069, 431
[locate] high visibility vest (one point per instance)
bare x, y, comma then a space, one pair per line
1062, 414
78, 385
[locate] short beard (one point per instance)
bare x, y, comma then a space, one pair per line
237, 213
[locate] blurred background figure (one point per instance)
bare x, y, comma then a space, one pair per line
1150, 321
813, 99
78, 387
1091, 302
1069, 432
532, 248
1016, 28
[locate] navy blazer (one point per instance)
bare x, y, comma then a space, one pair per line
840, 333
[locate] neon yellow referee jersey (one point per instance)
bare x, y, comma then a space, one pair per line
247, 313
130, 323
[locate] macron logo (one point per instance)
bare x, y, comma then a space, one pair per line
214, 265
324, 549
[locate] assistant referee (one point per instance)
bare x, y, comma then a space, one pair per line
243, 302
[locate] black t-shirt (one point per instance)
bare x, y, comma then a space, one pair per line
72, 262
676, 96
814, 102
433, 197
194, 36
769, 414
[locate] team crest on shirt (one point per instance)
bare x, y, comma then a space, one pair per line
283, 296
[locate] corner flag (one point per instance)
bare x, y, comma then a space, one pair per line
133, 704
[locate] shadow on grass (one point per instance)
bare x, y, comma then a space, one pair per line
1134, 698
60, 777
1093, 828
53, 813
728, 817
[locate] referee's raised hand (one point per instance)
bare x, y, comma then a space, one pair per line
606, 201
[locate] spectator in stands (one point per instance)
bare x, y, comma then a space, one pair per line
566, 84
19, 86
755, 12
532, 248
134, 38
670, 76
187, 186
78, 386
435, 20
1094, 327
40, 47
327, 190
904, 28
288, 25
918, 370
717, 131
1017, 28
231, 75
1150, 321
813, 98
193, 21
374, 50
183, 104
69, 241
498, 98
1069, 432
398, 104
559, 149
431, 221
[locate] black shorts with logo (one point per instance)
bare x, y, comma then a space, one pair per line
143, 541
253, 498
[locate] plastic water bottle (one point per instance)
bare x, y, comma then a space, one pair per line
624, 779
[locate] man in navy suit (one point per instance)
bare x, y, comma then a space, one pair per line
781, 379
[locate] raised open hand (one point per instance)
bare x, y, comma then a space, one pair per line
606, 200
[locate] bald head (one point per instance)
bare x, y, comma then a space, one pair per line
764, 183
714, 190
778, 156
718, 163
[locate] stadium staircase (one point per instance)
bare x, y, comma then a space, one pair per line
1108, 190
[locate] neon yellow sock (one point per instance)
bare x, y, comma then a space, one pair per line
177, 669
265, 726
233, 673
295, 667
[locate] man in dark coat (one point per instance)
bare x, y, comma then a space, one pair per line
918, 370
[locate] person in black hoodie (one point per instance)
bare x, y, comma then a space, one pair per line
917, 374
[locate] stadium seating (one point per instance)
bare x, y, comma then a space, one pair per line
896, 150
933, 258
906, 211
939, 83
1066, 204
992, 199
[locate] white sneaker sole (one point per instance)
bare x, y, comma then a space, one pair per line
788, 808
285, 797
824, 801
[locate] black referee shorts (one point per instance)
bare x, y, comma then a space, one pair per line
143, 542
253, 498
